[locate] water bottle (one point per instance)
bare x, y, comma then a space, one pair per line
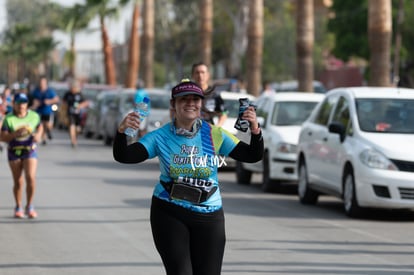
142, 108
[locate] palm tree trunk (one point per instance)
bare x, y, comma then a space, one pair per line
255, 47
133, 60
72, 57
148, 43
239, 41
397, 47
110, 73
206, 30
304, 44
379, 35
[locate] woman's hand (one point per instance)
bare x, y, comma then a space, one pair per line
131, 120
250, 116
21, 132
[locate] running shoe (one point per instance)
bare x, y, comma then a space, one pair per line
18, 212
30, 212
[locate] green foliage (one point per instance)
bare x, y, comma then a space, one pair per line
176, 25
350, 24
279, 49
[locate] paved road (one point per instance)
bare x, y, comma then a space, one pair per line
94, 219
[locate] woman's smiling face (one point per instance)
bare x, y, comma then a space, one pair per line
187, 107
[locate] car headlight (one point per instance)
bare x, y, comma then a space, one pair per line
156, 124
375, 159
283, 147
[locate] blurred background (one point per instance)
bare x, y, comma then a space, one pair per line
116, 42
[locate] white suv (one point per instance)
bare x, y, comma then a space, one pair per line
281, 116
358, 145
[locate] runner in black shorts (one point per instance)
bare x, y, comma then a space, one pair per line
75, 102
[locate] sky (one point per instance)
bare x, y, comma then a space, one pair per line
85, 40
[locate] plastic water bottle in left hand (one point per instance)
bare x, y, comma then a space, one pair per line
142, 108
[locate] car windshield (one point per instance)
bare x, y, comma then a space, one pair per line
90, 94
386, 115
232, 106
159, 101
129, 102
291, 113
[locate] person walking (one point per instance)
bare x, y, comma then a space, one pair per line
7, 100
21, 130
187, 218
213, 103
43, 99
268, 89
75, 102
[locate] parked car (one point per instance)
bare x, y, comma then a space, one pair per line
94, 124
281, 116
231, 101
358, 145
90, 91
292, 86
123, 103
160, 108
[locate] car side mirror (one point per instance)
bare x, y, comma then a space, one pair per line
338, 128
112, 106
261, 121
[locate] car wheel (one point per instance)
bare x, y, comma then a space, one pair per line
107, 140
351, 206
243, 176
88, 134
268, 184
305, 192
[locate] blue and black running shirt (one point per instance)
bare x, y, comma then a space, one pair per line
190, 160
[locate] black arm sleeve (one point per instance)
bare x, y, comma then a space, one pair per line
249, 153
124, 153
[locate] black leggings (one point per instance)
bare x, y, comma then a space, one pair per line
189, 243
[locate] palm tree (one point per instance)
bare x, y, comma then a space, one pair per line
379, 37
206, 30
148, 43
133, 50
239, 18
74, 19
44, 46
19, 47
304, 44
103, 9
255, 47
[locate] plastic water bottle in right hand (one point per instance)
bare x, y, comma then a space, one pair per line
142, 108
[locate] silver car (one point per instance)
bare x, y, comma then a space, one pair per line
94, 125
123, 103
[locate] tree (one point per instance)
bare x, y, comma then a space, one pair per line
148, 43
379, 36
206, 30
74, 19
19, 47
44, 46
103, 9
304, 44
230, 28
177, 35
133, 50
254, 47
349, 24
